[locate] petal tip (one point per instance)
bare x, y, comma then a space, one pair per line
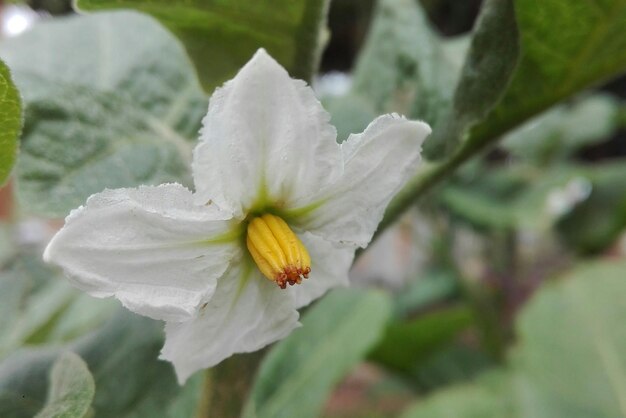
262, 59
261, 52
47, 253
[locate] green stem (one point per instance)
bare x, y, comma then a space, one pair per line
226, 386
432, 175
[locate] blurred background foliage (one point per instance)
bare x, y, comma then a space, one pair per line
499, 292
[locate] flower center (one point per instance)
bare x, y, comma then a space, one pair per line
277, 251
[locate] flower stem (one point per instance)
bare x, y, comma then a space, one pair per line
227, 385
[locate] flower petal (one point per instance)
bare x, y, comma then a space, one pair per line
377, 163
149, 247
330, 263
247, 312
265, 137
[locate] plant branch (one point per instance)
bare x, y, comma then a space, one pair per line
429, 177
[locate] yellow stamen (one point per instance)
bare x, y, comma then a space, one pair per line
277, 251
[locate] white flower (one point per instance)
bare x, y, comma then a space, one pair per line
270, 178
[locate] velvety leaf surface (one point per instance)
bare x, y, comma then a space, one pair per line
117, 106
404, 65
221, 35
71, 388
490, 62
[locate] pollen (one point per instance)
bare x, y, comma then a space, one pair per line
277, 251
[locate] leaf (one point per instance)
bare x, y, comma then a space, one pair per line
566, 47
557, 133
569, 360
221, 36
405, 344
452, 365
77, 143
117, 106
349, 114
404, 65
583, 363
488, 68
584, 202
10, 122
434, 287
38, 306
481, 400
71, 388
298, 374
558, 40
123, 358
480, 210
598, 221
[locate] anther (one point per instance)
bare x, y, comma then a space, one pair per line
277, 251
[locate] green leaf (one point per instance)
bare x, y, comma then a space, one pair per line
488, 68
423, 292
300, 371
349, 114
585, 202
37, 305
221, 36
572, 339
10, 122
71, 388
123, 358
404, 66
569, 361
452, 365
532, 402
116, 106
482, 400
480, 210
556, 134
406, 344
566, 47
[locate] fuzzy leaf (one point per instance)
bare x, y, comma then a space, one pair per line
116, 106
221, 36
71, 388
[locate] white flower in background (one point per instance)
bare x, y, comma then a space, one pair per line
563, 199
399, 254
332, 84
277, 200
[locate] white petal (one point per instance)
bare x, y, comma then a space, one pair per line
246, 313
265, 136
330, 263
147, 247
377, 164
